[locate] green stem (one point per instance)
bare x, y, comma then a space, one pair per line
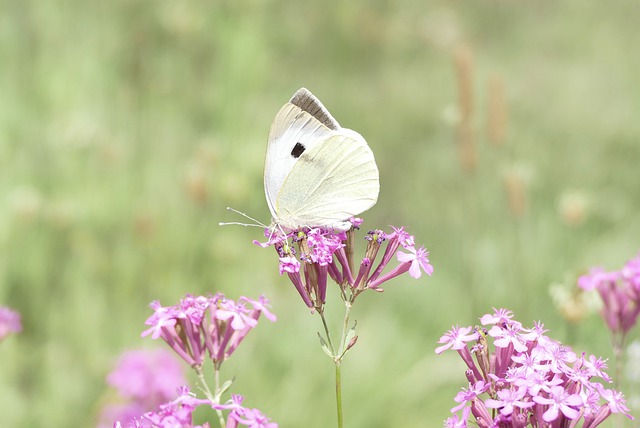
618, 352
338, 393
618, 355
338, 361
326, 332
345, 330
203, 384
215, 398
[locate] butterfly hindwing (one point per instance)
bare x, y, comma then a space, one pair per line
329, 184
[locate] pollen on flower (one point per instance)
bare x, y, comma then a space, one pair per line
376, 236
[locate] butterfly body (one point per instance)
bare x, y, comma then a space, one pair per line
317, 174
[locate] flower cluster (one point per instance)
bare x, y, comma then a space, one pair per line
196, 326
241, 416
144, 379
202, 324
529, 380
326, 253
9, 322
179, 414
620, 293
174, 414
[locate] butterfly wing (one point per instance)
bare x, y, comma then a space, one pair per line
334, 180
299, 126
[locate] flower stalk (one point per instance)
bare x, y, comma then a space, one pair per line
312, 256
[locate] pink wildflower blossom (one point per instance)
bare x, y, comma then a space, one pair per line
456, 338
558, 401
418, 261
9, 322
620, 294
528, 378
144, 379
204, 324
324, 254
252, 418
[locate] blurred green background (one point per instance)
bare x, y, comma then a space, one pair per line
506, 133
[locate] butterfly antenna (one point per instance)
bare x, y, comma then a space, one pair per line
255, 223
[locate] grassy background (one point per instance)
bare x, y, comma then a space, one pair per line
127, 126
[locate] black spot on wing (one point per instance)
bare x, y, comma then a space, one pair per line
298, 150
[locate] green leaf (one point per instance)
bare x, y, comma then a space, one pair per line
325, 346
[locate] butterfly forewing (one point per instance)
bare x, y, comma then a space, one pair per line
299, 125
293, 132
306, 101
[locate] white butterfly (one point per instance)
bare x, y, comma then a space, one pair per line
316, 173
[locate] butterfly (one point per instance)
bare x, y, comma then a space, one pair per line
316, 173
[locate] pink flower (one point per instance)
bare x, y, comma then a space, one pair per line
529, 378
252, 418
200, 324
238, 313
147, 373
419, 260
499, 316
508, 400
404, 238
289, 264
356, 222
456, 338
620, 294
467, 396
596, 277
558, 401
631, 272
272, 238
615, 401
234, 404
261, 306
322, 245
177, 413
9, 322
312, 256
144, 379
510, 334
458, 422
532, 362
158, 321
559, 356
